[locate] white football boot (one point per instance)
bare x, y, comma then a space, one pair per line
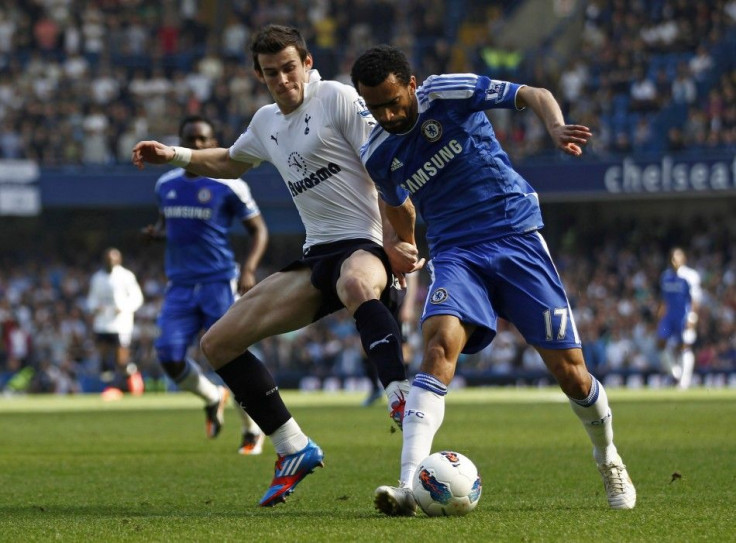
395, 501
619, 488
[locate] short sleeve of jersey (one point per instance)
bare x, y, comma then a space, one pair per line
244, 206
392, 194
375, 158
693, 279
478, 92
249, 146
349, 114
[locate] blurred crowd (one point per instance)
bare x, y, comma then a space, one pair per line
611, 274
81, 81
648, 76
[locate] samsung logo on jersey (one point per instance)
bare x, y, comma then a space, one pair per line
297, 187
188, 212
677, 287
430, 168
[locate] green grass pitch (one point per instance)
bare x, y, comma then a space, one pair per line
140, 469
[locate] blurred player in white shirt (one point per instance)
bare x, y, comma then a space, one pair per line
114, 297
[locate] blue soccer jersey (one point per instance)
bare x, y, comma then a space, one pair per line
482, 216
478, 196
199, 212
679, 289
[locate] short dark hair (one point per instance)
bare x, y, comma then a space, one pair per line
275, 38
377, 63
194, 119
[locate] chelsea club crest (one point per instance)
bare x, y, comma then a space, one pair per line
432, 130
204, 195
438, 296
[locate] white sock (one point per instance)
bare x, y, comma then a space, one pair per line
688, 365
595, 414
193, 380
249, 425
289, 438
423, 415
667, 359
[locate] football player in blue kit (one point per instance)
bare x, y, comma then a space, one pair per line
436, 149
195, 215
681, 295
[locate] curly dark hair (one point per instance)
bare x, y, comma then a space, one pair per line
194, 119
377, 63
275, 38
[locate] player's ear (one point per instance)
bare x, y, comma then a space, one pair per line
308, 62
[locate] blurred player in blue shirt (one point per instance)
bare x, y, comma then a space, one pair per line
678, 317
435, 149
195, 216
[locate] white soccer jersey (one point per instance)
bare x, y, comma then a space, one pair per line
113, 299
316, 150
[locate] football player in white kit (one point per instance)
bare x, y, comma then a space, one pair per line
312, 134
114, 297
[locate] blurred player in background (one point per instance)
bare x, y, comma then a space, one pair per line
678, 317
195, 215
312, 134
435, 147
114, 297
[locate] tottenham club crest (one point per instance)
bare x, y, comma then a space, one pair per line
204, 196
432, 130
438, 296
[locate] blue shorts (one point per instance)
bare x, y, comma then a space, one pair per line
672, 327
187, 310
513, 278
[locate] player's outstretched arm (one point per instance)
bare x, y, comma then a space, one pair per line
570, 138
206, 162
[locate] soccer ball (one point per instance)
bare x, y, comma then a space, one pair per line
446, 483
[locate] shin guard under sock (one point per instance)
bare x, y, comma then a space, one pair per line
255, 390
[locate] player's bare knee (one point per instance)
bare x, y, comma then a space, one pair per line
209, 345
439, 362
575, 381
173, 369
353, 290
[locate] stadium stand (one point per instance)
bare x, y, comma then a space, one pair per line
82, 81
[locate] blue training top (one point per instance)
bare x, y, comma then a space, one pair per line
451, 164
